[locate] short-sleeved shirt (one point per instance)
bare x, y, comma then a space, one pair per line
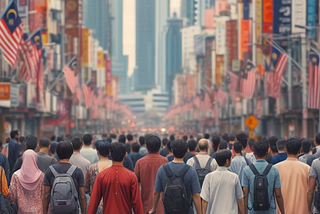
306, 158
203, 159
279, 158
273, 181
237, 165
78, 160
315, 173
191, 180
221, 189
90, 154
44, 161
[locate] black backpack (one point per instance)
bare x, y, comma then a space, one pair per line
175, 198
260, 189
202, 172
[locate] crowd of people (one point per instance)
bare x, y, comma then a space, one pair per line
152, 174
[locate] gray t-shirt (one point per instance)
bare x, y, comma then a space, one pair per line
315, 173
44, 161
78, 160
221, 189
191, 180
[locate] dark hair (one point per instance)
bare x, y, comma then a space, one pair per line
53, 147
216, 142
32, 142
293, 145
318, 138
142, 140
164, 141
153, 143
192, 145
64, 150
185, 137
169, 146
135, 147
191, 137
122, 139
14, 133
206, 136
273, 144
113, 136
8, 140
129, 137
87, 139
53, 138
104, 136
118, 151
223, 145
232, 137
0, 144
251, 142
44, 142
222, 157
225, 137
172, 138
103, 147
260, 149
179, 148
22, 139
242, 138
76, 143
281, 144
237, 147
59, 139
306, 145
68, 137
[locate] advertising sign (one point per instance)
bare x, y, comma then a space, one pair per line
245, 39
199, 45
85, 47
231, 41
298, 16
267, 16
311, 20
282, 17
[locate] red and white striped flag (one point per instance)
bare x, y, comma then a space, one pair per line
280, 61
88, 92
69, 73
233, 85
27, 52
10, 33
36, 41
221, 97
248, 81
314, 80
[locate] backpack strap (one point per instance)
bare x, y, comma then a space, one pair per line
254, 169
208, 165
267, 169
196, 163
54, 172
183, 171
167, 170
71, 170
246, 161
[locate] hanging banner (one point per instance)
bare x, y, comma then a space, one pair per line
231, 42
219, 69
258, 21
100, 58
246, 9
298, 16
245, 39
85, 47
311, 20
108, 75
71, 13
267, 16
282, 17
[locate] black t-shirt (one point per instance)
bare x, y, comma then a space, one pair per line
62, 168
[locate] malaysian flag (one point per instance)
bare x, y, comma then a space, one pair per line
221, 96
268, 79
69, 73
233, 85
314, 80
27, 52
88, 94
279, 61
36, 42
10, 33
248, 80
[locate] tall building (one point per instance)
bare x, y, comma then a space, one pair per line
173, 51
119, 61
162, 15
96, 16
193, 11
144, 78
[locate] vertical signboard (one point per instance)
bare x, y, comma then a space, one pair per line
231, 42
282, 17
298, 15
108, 75
85, 47
258, 21
219, 69
267, 16
311, 17
245, 39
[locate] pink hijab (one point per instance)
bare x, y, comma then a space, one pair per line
29, 175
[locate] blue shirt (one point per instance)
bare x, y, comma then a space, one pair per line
273, 181
190, 179
279, 158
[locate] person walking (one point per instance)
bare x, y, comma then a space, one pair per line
238, 162
26, 185
146, 170
77, 159
221, 190
87, 151
44, 159
282, 154
13, 149
117, 185
4, 163
103, 149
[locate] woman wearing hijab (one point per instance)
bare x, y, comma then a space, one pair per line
26, 185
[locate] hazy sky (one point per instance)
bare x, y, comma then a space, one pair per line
129, 29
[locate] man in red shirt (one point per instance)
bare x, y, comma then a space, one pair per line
118, 186
146, 170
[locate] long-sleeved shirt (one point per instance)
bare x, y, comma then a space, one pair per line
5, 165
13, 155
119, 188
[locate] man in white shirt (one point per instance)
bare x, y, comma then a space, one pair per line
87, 151
221, 190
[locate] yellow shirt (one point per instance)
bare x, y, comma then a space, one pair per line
4, 183
294, 185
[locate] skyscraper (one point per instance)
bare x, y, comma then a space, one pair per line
119, 61
162, 15
194, 11
144, 78
173, 51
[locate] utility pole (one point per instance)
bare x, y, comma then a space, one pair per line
304, 49
289, 76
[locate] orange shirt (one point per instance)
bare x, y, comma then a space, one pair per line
294, 185
4, 183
